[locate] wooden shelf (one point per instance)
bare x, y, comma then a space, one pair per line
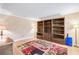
58, 22
58, 25
57, 30
57, 40
58, 34
40, 32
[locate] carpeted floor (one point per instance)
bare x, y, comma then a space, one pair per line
6, 49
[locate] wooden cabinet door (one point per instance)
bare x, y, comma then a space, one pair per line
47, 36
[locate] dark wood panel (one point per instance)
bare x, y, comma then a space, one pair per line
47, 36
60, 41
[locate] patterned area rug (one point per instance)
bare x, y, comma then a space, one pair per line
46, 47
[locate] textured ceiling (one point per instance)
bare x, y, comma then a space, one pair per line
37, 10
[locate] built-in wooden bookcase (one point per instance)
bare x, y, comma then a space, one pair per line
40, 28
47, 30
51, 30
58, 30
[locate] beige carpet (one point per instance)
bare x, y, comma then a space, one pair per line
6, 49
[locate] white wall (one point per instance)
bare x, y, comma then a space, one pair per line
18, 28
70, 21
